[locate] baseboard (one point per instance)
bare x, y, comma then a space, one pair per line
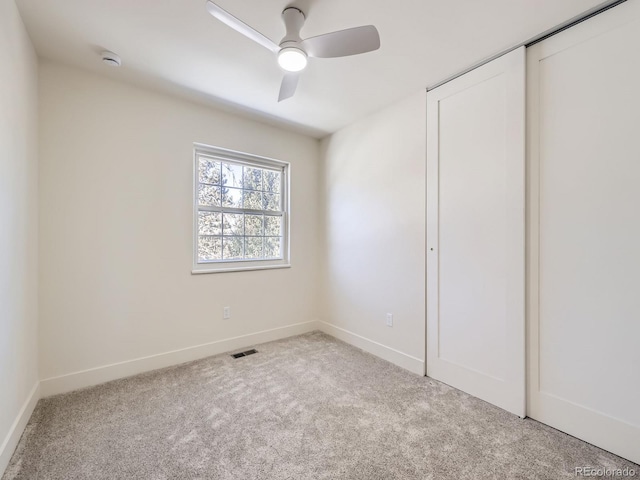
408, 362
95, 376
15, 432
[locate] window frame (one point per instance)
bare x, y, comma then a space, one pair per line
245, 159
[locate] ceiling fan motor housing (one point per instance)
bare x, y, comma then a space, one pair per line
293, 21
291, 57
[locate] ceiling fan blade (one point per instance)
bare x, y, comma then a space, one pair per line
288, 86
343, 43
239, 26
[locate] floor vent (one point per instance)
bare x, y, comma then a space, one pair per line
244, 354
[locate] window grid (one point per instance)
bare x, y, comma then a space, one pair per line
240, 210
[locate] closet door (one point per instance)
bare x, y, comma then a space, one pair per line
475, 232
584, 230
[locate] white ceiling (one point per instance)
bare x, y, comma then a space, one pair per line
176, 45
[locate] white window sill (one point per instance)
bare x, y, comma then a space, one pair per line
239, 268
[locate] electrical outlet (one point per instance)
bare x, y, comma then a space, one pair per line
226, 313
389, 319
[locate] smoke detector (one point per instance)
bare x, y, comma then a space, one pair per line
111, 59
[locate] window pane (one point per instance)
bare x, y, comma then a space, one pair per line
253, 178
272, 247
232, 248
209, 248
232, 175
253, 247
209, 223
272, 181
272, 226
240, 203
253, 200
253, 225
231, 197
209, 171
271, 201
233, 223
208, 195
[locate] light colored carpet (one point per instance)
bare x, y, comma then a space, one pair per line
307, 407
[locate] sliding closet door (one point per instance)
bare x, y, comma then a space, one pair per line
584, 230
475, 232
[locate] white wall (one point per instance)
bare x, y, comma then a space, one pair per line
374, 222
116, 229
18, 228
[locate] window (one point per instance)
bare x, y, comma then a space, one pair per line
241, 220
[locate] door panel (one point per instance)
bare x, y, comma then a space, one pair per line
475, 232
584, 314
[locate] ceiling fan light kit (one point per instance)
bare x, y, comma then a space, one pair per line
293, 52
292, 59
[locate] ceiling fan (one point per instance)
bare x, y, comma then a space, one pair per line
293, 51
